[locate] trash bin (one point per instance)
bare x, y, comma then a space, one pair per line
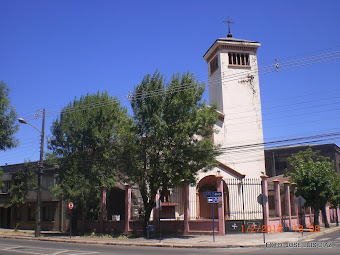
150, 231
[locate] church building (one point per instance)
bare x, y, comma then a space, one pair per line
234, 88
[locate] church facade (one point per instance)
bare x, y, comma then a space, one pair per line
234, 88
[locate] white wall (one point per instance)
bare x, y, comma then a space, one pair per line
241, 105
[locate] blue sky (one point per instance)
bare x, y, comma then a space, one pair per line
54, 51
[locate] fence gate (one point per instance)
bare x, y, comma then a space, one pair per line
244, 214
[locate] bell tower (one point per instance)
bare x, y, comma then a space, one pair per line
234, 88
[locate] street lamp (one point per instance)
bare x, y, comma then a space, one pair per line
38, 209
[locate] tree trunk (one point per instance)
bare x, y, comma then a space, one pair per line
337, 217
148, 209
324, 216
316, 216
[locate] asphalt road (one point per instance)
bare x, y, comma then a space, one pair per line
17, 246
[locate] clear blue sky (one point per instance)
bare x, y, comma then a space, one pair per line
54, 51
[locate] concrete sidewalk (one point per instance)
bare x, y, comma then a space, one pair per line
190, 241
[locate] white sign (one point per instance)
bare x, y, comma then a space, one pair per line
212, 200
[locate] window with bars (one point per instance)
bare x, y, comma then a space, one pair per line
48, 213
238, 59
6, 186
213, 65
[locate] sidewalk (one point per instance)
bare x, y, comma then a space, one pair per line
190, 241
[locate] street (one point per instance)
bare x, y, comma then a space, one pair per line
18, 246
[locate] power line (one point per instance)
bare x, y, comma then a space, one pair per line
183, 87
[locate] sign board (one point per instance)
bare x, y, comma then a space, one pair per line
208, 194
262, 199
213, 194
70, 205
217, 194
212, 200
300, 200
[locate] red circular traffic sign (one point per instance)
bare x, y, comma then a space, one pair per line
70, 205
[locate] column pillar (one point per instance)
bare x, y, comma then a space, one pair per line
102, 208
186, 208
295, 205
266, 206
328, 214
127, 208
288, 203
221, 220
277, 199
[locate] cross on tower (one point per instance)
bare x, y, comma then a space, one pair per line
228, 22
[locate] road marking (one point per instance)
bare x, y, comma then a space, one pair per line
42, 251
83, 252
8, 248
58, 252
324, 239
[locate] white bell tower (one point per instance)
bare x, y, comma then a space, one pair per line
234, 87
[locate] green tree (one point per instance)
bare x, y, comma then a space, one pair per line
23, 181
174, 129
88, 141
314, 176
335, 199
8, 119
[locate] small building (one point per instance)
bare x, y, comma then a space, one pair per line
53, 212
277, 159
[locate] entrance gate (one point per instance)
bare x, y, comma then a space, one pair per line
245, 213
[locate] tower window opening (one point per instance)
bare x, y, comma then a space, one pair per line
237, 59
247, 59
213, 65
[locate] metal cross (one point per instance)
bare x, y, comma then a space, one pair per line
228, 22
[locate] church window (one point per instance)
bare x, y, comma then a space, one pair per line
213, 65
237, 59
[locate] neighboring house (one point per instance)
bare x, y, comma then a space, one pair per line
53, 213
277, 159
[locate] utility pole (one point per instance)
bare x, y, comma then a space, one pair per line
40, 173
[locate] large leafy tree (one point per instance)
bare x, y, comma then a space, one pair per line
335, 199
88, 140
8, 118
174, 129
24, 180
314, 176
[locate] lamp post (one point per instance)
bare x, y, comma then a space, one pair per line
40, 165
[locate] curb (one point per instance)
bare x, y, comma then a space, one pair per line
325, 231
134, 244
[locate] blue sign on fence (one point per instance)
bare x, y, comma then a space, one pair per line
217, 194
208, 194
213, 194
212, 200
